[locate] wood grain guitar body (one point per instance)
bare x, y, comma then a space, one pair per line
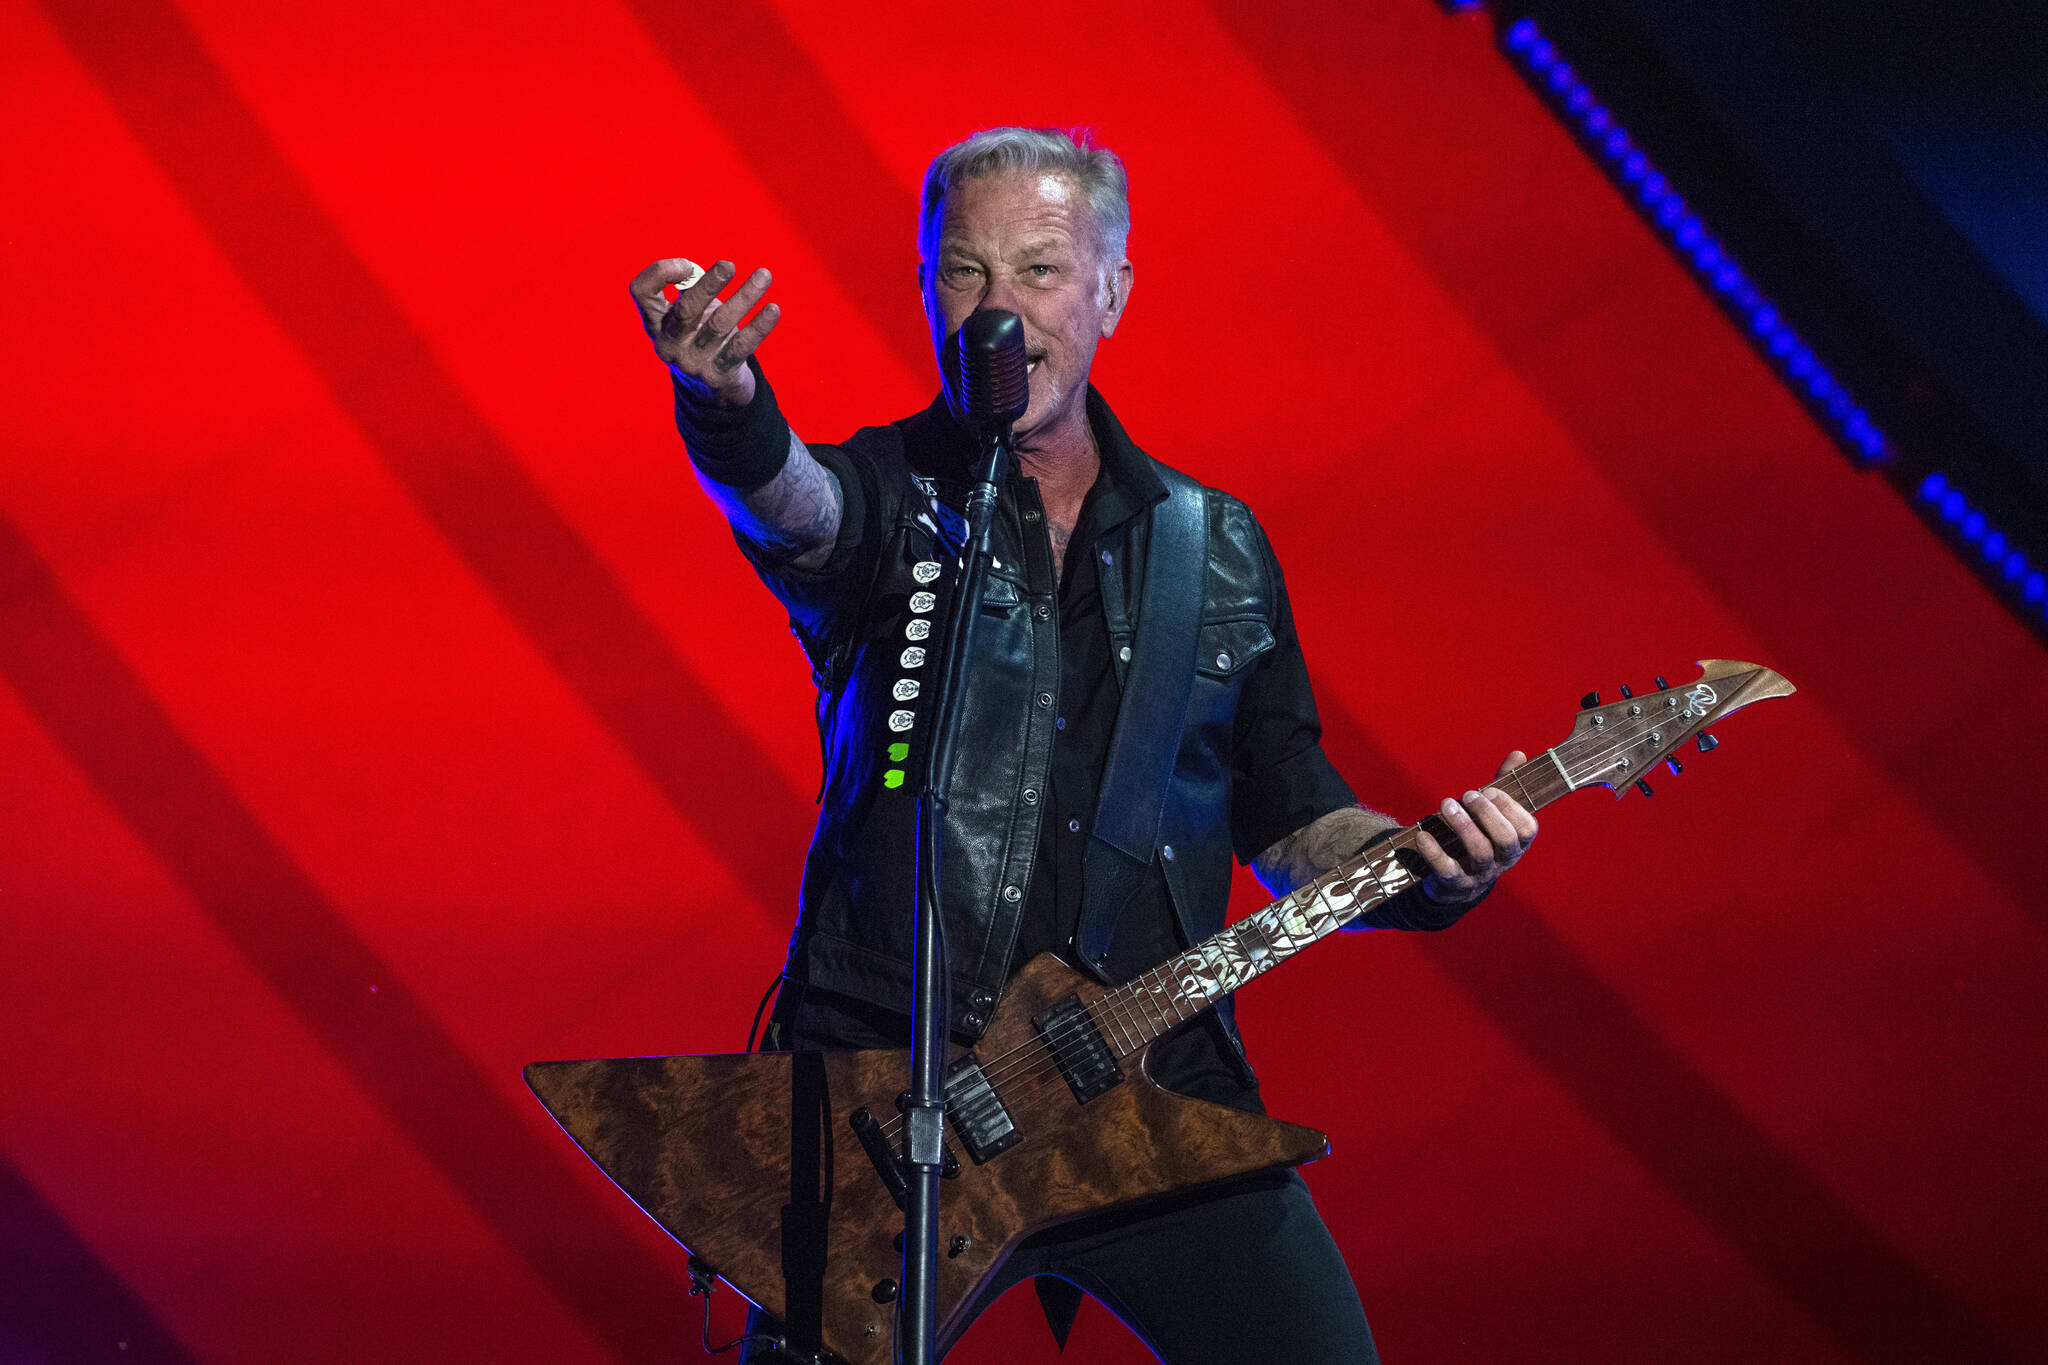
774, 1168
752, 1162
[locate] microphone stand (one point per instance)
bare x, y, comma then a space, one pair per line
924, 1118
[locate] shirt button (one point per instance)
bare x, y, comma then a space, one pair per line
1166, 852
1223, 662
1073, 826
1045, 699
1012, 894
1060, 724
1042, 611
1031, 796
1124, 654
1105, 557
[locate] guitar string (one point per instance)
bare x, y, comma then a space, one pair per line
1130, 1015
1125, 1011
1044, 1064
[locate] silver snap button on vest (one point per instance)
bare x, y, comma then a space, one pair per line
1031, 796
1124, 654
1166, 852
1042, 611
1012, 894
1045, 699
1223, 660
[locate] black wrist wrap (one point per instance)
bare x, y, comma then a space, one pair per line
742, 448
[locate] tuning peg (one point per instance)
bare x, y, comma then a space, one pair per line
1675, 766
1661, 684
1589, 701
1707, 743
1625, 692
1644, 787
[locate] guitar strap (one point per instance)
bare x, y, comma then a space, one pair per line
1151, 715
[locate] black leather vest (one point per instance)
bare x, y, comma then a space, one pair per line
875, 654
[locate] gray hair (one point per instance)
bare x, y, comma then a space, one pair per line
1095, 170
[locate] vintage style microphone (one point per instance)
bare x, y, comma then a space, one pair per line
990, 391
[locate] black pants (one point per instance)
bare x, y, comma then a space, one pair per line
1232, 1273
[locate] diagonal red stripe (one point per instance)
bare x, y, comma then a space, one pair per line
225, 168
1440, 217
104, 718
1559, 1011
799, 140
58, 1300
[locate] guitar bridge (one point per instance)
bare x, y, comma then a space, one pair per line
1084, 1058
976, 1112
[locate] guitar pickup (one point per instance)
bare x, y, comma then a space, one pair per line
1084, 1058
978, 1115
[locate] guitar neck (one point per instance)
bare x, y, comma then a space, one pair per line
1610, 746
1134, 1014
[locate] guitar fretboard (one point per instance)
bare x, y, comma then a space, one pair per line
1134, 1014
1609, 746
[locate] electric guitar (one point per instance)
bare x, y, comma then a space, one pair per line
781, 1171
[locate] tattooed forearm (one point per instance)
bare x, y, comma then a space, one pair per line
795, 514
1317, 847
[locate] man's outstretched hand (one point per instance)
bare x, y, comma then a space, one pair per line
699, 335
1493, 831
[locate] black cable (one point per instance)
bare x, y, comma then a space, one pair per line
702, 1282
761, 1009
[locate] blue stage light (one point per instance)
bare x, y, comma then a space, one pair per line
2015, 565
1934, 485
1973, 527
1993, 545
1665, 208
1954, 505
2035, 588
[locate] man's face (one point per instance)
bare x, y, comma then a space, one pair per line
1023, 241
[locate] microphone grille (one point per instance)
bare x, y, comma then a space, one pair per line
994, 379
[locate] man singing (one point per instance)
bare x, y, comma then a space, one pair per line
859, 541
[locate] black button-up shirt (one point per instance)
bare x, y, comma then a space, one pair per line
1276, 721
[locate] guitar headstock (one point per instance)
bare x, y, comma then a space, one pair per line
1617, 744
